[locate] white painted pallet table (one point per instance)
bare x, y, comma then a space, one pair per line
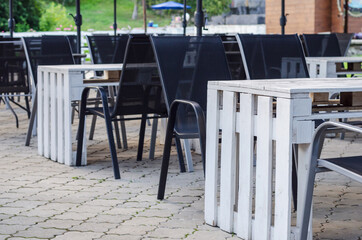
276, 112
57, 87
332, 67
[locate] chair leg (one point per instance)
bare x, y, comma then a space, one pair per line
118, 137
32, 120
93, 127
124, 133
80, 134
153, 138
165, 159
112, 146
180, 155
27, 106
188, 156
141, 137
294, 175
12, 110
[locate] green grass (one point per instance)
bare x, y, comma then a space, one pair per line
98, 15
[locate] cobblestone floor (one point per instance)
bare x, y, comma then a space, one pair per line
41, 199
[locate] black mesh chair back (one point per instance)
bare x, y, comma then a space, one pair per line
321, 45
344, 40
47, 50
140, 90
13, 67
186, 64
233, 56
73, 42
272, 56
107, 49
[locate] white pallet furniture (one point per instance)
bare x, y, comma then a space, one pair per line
255, 201
332, 67
57, 87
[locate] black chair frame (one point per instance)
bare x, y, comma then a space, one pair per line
315, 167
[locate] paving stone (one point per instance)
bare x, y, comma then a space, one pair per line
94, 227
175, 233
11, 229
23, 220
59, 224
78, 236
148, 221
37, 232
131, 230
119, 237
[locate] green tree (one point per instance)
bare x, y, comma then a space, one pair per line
55, 17
26, 14
216, 7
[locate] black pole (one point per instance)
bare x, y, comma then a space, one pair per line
345, 28
283, 19
199, 18
184, 22
11, 22
78, 23
115, 17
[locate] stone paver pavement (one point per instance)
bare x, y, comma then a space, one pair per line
41, 199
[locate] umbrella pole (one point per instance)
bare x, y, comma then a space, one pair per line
144, 15
115, 17
78, 23
345, 28
11, 22
199, 18
283, 19
184, 22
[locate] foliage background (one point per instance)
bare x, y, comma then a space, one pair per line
48, 15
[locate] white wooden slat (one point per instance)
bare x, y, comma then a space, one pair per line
228, 162
60, 119
40, 113
67, 120
53, 117
246, 135
303, 169
46, 119
263, 178
212, 152
283, 169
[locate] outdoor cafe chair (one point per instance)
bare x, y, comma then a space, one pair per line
233, 57
45, 50
321, 45
344, 40
186, 64
14, 81
347, 166
139, 95
272, 56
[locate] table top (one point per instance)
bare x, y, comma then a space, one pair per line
288, 87
333, 59
82, 67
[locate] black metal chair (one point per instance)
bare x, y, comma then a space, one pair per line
14, 81
186, 64
139, 93
233, 56
344, 40
347, 166
45, 50
321, 45
107, 49
272, 56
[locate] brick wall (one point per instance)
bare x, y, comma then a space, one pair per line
308, 16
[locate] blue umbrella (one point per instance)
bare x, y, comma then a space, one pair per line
169, 5
173, 5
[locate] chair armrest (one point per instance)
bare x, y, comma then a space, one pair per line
85, 94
